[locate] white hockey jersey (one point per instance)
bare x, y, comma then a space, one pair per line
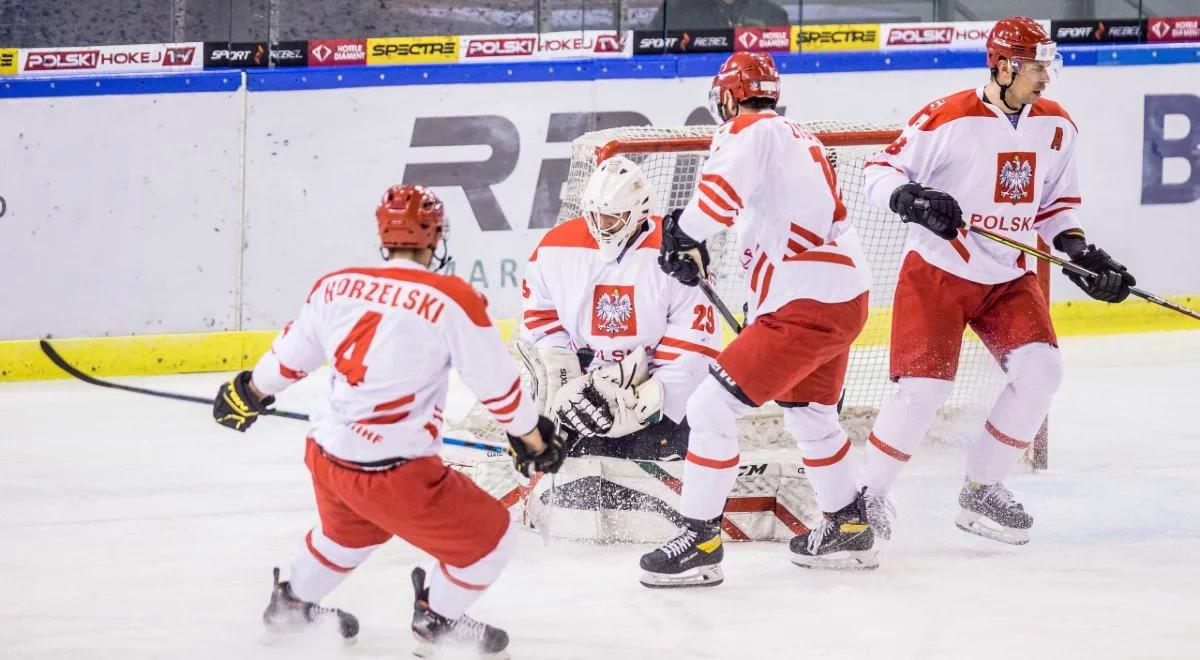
574, 298
390, 335
1011, 181
768, 178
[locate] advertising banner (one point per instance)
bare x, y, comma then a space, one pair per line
969, 34
411, 50
1179, 28
770, 39
1099, 31
8, 61
843, 36
682, 41
112, 59
226, 55
337, 52
497, 47
289, 53
588, 43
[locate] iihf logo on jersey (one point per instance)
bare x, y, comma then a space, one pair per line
1014, 176
613, 313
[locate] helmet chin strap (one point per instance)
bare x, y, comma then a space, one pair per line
1012, 78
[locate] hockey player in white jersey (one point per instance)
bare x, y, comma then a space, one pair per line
768, 178
390, 335
593, 285
1001, 157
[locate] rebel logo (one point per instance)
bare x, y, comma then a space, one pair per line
613, 311
503, 47
1015, 171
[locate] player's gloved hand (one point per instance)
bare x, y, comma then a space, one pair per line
549, 460
579, 405
236, 406
1112, 280
681, 256
931, 208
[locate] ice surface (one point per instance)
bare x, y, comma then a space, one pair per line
132, 527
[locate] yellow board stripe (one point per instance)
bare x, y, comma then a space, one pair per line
145, 355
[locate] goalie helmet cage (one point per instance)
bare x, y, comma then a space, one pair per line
672, 157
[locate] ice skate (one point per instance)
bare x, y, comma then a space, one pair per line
879, 512
844, 541
691, 559
288, 614
436, 635
991, 512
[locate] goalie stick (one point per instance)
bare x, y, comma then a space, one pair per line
1078, 270
59, 362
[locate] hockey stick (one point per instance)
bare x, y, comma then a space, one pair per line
1078, 270
712, 296
73, 371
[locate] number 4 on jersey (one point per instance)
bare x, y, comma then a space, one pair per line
356, 343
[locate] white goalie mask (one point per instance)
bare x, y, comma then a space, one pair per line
616, 202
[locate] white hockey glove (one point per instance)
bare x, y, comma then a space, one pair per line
613, 401
549, 369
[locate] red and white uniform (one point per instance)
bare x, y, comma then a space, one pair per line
390, 335
1012, 181
768, 178
574, 298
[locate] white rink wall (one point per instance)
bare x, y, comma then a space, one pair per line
191, 212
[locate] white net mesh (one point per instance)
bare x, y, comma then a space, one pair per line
672, 157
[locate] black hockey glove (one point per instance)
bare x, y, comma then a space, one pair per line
931, 208
549, 460
235, 406
1112, 280
681, 256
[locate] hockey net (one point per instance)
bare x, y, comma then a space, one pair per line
672, 158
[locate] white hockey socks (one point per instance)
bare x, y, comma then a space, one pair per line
1034, 374
710, 468
322, 564
452, 590
902, 424
828, 462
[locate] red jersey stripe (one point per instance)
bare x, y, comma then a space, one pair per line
710, 212
725, 186
541, 314
826, 257
504, 410
711, 193
762, 259
762, 295
665, 356
395, 403
516, 384
384, 419
535, 324
1041, 217
807, 235
688, 346
1006, 439
960, 249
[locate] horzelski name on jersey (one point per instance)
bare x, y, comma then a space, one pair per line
613, 311
393, 294
1015, 172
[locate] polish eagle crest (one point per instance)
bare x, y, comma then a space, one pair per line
613, 311
1015, 177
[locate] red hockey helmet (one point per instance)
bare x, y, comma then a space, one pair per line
746, 76
410, 217
1020, 39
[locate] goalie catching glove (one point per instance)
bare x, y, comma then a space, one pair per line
681, 256
236, 405
931, 208
549, 460
613, 401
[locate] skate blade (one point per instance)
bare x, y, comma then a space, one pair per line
701, 576
424, 649
847, 560
980, 525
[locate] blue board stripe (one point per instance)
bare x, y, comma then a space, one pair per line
122, 84
659, 66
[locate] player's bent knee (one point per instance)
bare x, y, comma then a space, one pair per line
924, 396
813, 423
488, 568
1035, 369
711, 408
